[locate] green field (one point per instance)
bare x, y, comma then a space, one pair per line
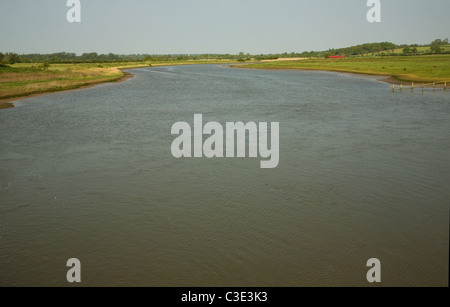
433, 68
423, 49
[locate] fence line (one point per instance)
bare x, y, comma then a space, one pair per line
423, 86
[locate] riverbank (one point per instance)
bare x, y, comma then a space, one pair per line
27, 80
7, 103
393, 70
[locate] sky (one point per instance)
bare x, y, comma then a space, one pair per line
215, 26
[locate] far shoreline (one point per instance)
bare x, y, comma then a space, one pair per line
389, 79
432, 70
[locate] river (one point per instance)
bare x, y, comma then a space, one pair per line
364, 173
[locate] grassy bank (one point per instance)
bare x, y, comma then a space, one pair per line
22, 80
409, 68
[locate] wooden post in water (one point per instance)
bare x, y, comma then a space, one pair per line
401, 87
445, 86
412, 86
434, 86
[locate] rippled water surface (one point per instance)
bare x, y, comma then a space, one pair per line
364, 173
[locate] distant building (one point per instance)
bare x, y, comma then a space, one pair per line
336, 57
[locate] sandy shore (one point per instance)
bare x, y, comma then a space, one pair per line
284, 60
7, 103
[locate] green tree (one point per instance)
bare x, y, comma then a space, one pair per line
2, 56
440, 42
406, 50
11, 58
435, 48
437, 42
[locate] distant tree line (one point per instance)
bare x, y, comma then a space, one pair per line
93, 57
381, 49
364, 49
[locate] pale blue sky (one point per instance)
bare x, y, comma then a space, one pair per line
213, 26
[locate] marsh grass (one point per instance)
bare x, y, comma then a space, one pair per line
21, 80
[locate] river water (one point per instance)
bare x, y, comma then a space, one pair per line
363, 173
